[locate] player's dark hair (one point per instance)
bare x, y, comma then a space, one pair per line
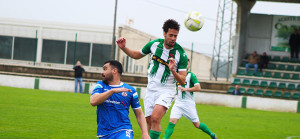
172, 24
115, 64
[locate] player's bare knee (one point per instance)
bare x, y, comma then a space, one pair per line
155, 119
174, 121
197, 124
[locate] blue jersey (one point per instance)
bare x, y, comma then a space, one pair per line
112, 114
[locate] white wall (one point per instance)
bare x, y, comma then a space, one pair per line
258, 103
17, 81
270, 104
218, 99
58, 85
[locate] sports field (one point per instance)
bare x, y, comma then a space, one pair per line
27, 113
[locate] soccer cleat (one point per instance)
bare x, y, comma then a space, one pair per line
214, 136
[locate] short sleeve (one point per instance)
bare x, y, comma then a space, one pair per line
134, 102
194, 80
98, 88
147, 48
183, 61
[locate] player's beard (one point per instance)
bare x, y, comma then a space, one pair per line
170, 45
107, 78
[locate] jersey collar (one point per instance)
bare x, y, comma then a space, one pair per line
121, 84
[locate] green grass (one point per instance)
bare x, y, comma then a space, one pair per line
27, 113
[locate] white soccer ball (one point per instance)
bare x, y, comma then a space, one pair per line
194, 21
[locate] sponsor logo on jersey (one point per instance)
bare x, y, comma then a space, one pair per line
124, 94
171, 55
158, 59
179, 83
112, 101
123, 103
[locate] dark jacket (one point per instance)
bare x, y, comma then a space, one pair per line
264, 59
238, 92
294, 40
78, 71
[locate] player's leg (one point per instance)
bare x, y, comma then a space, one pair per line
170, 128
148, 120
149, 102
205, 129
190, 112
162, 104
175, 115
157, 114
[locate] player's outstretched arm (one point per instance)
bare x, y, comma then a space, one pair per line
179, 76
142, 122
196, 88
121, 42
99, 98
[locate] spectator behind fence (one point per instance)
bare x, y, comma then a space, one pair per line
264, 60
236, 91
253, 61
294, 43
78, 76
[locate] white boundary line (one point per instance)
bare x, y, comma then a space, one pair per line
292, 137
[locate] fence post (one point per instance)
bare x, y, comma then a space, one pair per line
138, 90
36, 83
86, 88
244, 102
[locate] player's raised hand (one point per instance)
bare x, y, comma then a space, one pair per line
121, 42
118, 90
171, 64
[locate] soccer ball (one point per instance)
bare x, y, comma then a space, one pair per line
193, 21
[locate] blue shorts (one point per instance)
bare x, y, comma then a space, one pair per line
123, 134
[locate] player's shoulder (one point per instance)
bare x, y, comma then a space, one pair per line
100, 84
159, 40
128, 86
156, 41
190, 73
180, 49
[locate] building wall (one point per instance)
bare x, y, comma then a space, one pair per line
201, 64
91, 40
53, 45
259, 35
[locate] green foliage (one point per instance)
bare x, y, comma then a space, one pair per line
27, 113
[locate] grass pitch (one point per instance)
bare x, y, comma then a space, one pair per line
27, 113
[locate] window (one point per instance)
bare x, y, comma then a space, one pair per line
100, 54
82, 53
53, 51
25, 48
5, 47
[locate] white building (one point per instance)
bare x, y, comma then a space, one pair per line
60, 45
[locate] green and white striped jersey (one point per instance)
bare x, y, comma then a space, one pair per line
159, 74
191, 81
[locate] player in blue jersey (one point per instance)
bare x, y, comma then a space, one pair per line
113, 99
